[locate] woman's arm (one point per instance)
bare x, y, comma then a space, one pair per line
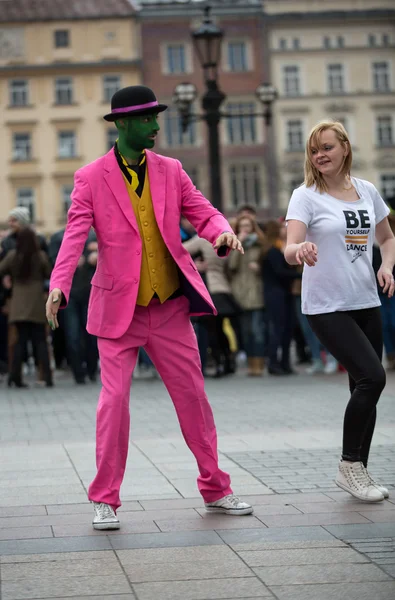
298, 251
5, 264
386, 241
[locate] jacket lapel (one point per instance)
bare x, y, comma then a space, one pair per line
116, 183
157, 182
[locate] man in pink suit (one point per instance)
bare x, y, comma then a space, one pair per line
143, 292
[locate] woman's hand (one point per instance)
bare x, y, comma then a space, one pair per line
307, 253
386, 280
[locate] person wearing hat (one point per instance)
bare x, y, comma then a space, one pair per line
18, 218
144, 291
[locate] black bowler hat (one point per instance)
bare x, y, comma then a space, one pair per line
133, 100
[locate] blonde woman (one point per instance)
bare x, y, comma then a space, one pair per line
333, 220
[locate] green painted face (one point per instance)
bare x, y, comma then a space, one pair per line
137, 133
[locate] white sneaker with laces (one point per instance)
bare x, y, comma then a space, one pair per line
105, 517
352, 478
380, 487
229, 505
331, 366
316, 367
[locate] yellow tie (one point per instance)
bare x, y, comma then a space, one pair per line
135, 179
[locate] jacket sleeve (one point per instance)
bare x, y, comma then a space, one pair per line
207, 220
279, 266
79, 221
5, 264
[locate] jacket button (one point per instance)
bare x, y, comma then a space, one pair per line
135, 280
137, 251
150, 255
145, 223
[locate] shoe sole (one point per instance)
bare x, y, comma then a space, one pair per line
234, 512
363, 498
104, 526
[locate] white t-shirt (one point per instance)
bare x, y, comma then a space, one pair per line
344, 232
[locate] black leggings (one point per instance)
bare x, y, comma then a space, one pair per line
355, 339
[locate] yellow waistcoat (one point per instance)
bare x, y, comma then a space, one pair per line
159, 273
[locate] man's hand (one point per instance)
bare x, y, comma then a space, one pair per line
230, 240
52, 307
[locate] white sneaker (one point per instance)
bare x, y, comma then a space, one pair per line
352, 478
229, 505
105, 517
316, 367
380, 487
331, 366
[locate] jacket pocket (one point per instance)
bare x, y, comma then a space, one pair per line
101, 280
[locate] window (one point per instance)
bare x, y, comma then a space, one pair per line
327, 42
66, 200
22, 146
283, 44
111, 84
176, 58
295, 135
19, 92
241, 127
385, 39
173, 130
25, 197
111, 136
384, 131
63, 90
335, 79
296, 43
237, 56
387, 185
381, 77
340, 41
62, 38
291, 80
66, 144
371, 40
245, 184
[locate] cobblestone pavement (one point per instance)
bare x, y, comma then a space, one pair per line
279, 438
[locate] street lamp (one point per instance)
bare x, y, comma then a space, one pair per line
207, 40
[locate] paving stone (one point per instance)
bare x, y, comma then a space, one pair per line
23, 511
380, 516
82, 530
56, 557
389, 569
339, 591
74, 568
210, 522
341, 506
25, 533
312, 519
46, 545
213, 589
333, 573
163, 540
253, 546
72, 509
129, 596
28, 589
195, 554
311, 556
370, 530
275, 534
212, 569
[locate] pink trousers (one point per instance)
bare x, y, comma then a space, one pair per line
166, 333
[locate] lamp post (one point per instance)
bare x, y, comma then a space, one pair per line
207, 40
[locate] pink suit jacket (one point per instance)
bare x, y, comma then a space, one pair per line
100, 200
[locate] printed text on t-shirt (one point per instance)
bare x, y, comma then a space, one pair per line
357, 232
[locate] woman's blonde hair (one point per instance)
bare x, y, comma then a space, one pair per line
312, 175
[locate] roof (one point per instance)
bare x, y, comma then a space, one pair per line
22, 11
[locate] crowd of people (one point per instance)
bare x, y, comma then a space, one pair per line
257, 295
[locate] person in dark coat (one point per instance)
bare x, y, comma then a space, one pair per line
278, 277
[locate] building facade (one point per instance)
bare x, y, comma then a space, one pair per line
333, 60
60, 63
169, 59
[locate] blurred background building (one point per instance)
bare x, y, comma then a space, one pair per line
61, 61
334, 59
